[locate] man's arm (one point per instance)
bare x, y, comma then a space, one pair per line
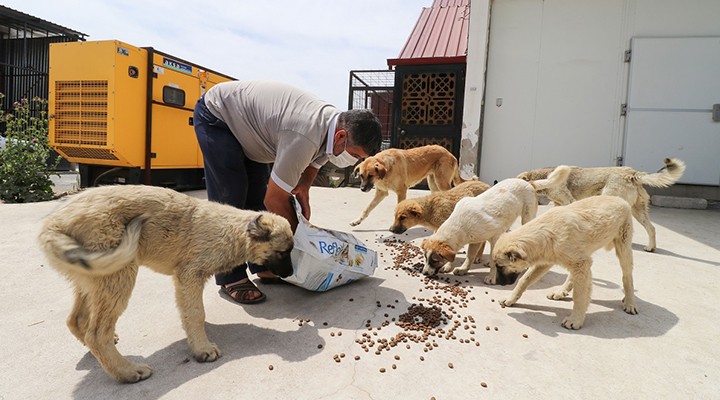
278, 201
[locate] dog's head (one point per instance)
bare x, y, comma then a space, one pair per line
369, 170
510, 260
271, 241
408, 213
437, 254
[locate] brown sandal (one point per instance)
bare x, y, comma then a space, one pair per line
238, 291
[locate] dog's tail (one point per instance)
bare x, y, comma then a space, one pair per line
556, 178
76, 257
667, 176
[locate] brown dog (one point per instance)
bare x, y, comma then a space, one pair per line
432, 210
100, 237
398, 170
623, 182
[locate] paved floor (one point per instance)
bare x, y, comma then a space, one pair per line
670, 350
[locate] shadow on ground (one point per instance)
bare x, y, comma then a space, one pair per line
173, 366
651, 320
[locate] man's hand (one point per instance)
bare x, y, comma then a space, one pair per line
278, 201
302, 194
302, 190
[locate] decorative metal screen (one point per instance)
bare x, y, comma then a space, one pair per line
81, 112
410, 142
428, 99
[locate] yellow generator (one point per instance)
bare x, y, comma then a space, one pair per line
125, 113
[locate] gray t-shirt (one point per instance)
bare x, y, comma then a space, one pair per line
275, 123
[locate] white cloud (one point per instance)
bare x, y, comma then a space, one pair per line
310, 44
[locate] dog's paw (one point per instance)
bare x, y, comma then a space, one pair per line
507, 302
356, 222
572, 323
649, 249
116, 338
630, 308
460, 271
207, 353
136, 373
479, 260
490, 280
559, 295
446, 268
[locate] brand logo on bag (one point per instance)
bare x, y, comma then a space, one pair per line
329, 248
360, 249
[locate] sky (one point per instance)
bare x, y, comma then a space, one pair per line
310, 44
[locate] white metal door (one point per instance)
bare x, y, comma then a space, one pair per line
673, 85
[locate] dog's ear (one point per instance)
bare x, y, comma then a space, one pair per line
424, 244
356, 172
514, 255
258, 230
380, 170
447, 252
415, 210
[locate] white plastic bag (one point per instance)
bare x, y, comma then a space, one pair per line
323, 259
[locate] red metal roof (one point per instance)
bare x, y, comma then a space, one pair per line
440, 35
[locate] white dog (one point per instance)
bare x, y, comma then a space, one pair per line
568, 236
484, 218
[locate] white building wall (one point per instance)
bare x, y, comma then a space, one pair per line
474, 87
556, 76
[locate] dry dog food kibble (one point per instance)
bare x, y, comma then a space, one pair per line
437, 315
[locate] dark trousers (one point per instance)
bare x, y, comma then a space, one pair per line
230, 177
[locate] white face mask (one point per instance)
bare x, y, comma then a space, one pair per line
343, 160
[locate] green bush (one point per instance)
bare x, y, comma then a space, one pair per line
24, 170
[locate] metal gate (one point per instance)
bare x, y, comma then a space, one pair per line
428, 106
373, 90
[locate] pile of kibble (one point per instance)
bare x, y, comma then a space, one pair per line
432, 317
428, 320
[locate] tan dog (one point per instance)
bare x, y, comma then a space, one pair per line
100, 237
568, 236
624, 182
432, 210
485, 217
398, 170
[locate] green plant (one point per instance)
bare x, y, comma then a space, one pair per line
24, 170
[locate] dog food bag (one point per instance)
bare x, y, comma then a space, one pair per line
323, 259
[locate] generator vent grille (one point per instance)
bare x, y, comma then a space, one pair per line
86, 152
81, 112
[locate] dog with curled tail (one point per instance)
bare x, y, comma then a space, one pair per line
101, 236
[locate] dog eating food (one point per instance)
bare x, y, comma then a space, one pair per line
568, 236
100, 237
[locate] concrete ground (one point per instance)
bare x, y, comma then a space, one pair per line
669, 350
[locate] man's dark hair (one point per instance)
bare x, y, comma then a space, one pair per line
364, 129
